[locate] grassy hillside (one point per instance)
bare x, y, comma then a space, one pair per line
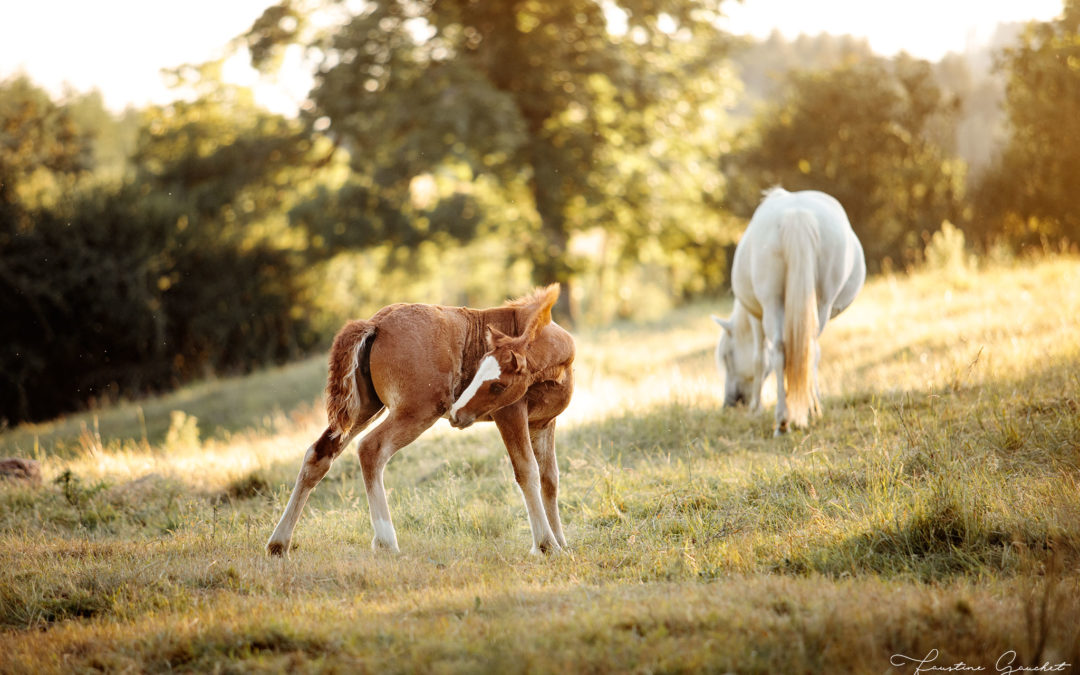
935, 507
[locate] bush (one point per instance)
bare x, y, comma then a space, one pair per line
946, 250
124, 292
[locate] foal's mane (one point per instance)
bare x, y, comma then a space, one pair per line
538, 296
536, 307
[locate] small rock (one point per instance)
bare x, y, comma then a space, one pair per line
24, 470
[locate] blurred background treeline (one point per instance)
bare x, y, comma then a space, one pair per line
461, 152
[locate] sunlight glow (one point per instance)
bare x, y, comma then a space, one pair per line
120, 46
924, 28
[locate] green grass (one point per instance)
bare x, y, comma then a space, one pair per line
261, 401
936, 506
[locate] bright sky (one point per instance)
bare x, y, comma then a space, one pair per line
927, 29
120, 46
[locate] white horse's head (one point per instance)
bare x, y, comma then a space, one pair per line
741, 357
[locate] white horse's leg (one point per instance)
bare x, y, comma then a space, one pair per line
761, 364
825, 312
773, 323
781, 396
815, 391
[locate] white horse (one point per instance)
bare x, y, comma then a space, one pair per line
798, 265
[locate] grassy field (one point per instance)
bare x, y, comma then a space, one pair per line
934, 514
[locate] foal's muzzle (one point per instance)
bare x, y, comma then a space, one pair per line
461, 421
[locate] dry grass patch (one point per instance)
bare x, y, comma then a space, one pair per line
936, 506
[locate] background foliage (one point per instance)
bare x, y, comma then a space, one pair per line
1029, 195
819, 134
459, 152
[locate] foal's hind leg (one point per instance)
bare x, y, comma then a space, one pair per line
543, 445
400, 428
317, 461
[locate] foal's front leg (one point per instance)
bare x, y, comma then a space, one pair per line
513, 424
543, 445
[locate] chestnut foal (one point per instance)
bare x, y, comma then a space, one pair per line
510, 365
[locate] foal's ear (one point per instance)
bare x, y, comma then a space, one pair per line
517, 361
726, 324
494, 337
541, 316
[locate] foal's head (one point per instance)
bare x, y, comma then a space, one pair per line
504, 373
741, 356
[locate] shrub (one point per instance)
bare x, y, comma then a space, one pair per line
125, 292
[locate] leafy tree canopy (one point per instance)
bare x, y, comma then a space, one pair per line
544, 96
865, 133
1029, 197
41, 145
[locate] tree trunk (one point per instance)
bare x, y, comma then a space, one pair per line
549, 254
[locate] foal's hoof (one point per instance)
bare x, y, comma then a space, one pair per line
546, 548
277, 549
380, 545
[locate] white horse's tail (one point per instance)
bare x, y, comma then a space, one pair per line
799, 238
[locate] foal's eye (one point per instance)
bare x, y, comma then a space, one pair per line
496, 388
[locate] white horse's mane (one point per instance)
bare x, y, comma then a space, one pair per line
773, 190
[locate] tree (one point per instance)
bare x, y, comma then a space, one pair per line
41, 147
534, 93
762, 65
114, 136
865, 133
124, 291
1029, 196
115, 288
229, 158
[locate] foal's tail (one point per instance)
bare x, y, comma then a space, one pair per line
799, 238
350, 395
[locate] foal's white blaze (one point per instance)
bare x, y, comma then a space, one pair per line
489, 370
